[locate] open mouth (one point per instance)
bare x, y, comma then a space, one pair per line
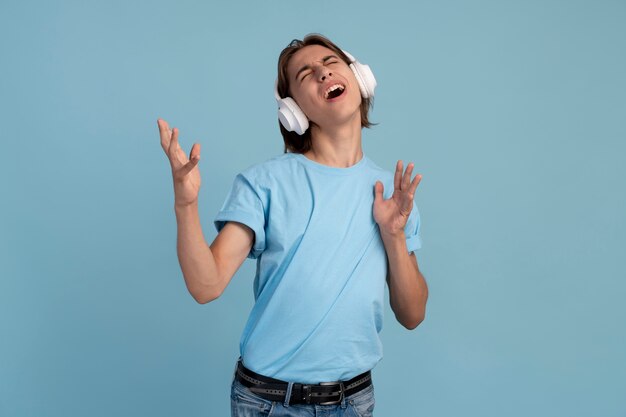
334, 91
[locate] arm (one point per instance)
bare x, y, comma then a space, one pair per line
408, 291
207, 270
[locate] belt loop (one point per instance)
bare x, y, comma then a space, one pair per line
288, 395
342, 395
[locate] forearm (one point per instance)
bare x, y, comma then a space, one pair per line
195, 257
408, 291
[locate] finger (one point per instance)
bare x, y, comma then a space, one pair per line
414, 185
406, 178
195, 152
182, 156
165, 133
188, 167
379, 188
397, 178
177, 156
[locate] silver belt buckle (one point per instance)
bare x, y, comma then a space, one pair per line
341, 392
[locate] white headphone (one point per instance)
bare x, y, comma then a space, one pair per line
293, 118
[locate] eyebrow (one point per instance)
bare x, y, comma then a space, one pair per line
306, 67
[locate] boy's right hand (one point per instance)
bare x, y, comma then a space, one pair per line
184, 170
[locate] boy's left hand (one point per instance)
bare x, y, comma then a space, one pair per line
392, 214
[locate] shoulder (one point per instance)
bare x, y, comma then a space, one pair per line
270, 169
276, 162
373, 166
374, 169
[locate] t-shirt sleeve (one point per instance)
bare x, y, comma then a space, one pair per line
244, 205
412, 230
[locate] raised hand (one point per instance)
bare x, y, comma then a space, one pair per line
392, 214
184, 170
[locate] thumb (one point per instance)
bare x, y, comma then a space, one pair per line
378, 191
195, 152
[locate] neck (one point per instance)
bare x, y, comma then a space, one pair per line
337, 146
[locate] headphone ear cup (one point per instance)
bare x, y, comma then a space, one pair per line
365, 78
291, 116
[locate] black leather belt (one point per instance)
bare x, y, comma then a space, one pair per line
326, 393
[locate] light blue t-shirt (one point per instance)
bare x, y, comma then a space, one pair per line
321, 266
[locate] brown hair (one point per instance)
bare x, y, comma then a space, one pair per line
302, 143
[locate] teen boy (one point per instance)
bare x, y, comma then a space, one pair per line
326, 237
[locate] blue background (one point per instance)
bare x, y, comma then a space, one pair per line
514, 113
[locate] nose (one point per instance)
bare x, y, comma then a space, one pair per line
324, 73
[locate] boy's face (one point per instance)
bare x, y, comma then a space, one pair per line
324, 86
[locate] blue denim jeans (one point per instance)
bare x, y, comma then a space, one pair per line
244, 403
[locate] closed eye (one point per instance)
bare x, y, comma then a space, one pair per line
327, 62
